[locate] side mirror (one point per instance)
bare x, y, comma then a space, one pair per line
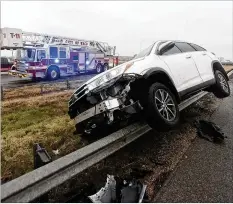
165, 46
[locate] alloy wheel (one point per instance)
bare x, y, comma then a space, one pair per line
165, 104
223, 83
53, 74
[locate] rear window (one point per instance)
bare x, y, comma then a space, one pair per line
185, 47
197, 47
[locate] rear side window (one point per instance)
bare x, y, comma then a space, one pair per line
53, 52
172, 51
185, 47
198, 48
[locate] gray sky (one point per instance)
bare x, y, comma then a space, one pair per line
127, 24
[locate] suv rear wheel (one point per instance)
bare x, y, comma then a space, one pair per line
221, 88
162, 111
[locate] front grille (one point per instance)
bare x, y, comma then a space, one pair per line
83, 105
21, 67
79, 93
78, 103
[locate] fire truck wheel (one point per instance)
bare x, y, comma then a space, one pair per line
98, 68
105, 67
53, 73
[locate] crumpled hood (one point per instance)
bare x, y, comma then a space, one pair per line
103, 73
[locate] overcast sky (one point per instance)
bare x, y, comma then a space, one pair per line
130, 25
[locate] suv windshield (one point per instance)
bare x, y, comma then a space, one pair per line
145, 52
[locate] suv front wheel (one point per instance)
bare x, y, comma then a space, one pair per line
162, 111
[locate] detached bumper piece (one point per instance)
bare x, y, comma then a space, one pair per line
120, 191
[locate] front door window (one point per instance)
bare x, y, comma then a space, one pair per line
40, 55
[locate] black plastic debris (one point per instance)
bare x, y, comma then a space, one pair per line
41, 156
118, 190
209, 131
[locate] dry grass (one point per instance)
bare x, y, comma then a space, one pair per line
34, 119
27, 91
34, 90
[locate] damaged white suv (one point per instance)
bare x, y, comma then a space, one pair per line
152, 84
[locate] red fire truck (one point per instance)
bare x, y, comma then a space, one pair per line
46, 56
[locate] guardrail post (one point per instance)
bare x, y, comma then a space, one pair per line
41, 158
41, 89
68, 84
2, 96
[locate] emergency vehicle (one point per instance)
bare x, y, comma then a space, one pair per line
47, 56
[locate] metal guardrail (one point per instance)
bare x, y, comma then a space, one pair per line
36, 183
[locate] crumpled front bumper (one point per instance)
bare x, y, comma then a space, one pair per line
103, 107
82, 110
20, 74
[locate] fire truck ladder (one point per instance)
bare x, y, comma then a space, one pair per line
30, 38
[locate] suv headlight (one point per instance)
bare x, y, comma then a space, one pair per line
108, 78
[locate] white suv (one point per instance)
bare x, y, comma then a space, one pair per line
152, 84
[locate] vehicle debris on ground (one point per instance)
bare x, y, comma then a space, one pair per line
120, 191
209, 131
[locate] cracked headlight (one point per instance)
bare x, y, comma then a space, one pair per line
108, 78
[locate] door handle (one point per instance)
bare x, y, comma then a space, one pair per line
188, 56
203, 53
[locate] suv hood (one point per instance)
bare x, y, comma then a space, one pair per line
103, 73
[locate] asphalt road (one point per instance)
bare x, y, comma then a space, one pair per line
12, 82
206, 172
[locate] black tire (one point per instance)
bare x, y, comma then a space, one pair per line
105, 67
53, 73
156, 111
221, 88
98, 68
